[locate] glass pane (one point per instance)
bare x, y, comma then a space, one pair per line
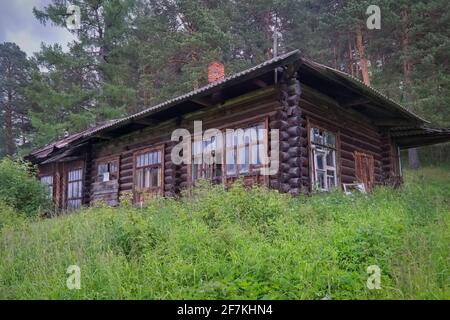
69, 191
231, 166
330, 139
330, 179
330, 158
254, 154
218, 170
79, 183
147, 178
155, 177
139, 179
321, 179
244, 159
319, 161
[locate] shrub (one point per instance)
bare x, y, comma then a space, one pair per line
9, 217
19, 188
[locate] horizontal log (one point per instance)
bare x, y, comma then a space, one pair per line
284, 136
126, 186
285, 187
279, 124
294, 131
295, 172
126, 173
126, 179
294, 111
347, 171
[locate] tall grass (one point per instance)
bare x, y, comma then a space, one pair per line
240, 244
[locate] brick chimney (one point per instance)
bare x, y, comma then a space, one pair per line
216, 71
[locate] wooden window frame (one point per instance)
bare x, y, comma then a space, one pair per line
52, 195
310, 124
160, 191
107, 160
253, 169
206, 171
81, 169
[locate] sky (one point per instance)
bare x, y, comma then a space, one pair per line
18, 24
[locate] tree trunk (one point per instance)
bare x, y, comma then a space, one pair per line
362, 56
413, 159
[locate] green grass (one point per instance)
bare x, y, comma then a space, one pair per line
240, 245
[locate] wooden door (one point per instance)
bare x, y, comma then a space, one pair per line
365, 170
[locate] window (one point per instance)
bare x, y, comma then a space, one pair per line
47, 181
107, 170
148, 174
74, 189
244, 149
201, 168
323, 150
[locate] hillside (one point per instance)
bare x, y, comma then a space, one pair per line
240, 245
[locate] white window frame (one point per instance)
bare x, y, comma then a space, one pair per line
324, 150
75, 188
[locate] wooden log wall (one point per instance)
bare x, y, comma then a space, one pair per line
88, 176
126, 172
386, 157
105, 192
253, 107
354, 134
171, 172
288, 120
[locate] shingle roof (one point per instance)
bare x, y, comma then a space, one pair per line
282, 60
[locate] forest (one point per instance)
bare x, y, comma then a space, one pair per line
131, 54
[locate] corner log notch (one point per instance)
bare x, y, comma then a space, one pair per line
291, 125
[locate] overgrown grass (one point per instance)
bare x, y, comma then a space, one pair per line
241, 245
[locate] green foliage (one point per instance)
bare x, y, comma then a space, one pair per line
242, 244
9, 217
20, 190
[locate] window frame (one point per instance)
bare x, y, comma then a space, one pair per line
204, 170
107, 160
81, 180
312, 159
160, 189
253, 169
52, 186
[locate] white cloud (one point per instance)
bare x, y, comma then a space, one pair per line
18, 24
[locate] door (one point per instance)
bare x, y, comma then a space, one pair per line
365, 170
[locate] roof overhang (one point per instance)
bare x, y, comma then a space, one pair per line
417, 137
408, 129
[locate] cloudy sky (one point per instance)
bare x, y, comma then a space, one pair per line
18, 24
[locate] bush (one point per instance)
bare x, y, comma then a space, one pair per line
9, 217
19, 188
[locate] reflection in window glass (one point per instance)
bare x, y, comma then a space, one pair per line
323, 146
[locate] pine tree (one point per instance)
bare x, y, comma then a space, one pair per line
15, 71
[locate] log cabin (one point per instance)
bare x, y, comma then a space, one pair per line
333, 131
